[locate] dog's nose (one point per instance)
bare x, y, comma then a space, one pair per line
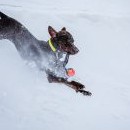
77, 50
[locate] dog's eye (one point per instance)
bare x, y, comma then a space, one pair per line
70, 40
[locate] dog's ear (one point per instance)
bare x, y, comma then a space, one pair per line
52, 32
63, 29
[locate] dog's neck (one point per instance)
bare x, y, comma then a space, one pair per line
53, 45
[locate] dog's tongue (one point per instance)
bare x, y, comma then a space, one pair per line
70, 72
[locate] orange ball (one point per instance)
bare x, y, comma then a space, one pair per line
70, 72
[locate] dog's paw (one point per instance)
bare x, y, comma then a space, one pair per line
87, 93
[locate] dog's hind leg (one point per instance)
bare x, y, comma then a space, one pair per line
2, 15
3, 31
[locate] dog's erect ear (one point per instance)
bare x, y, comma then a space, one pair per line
63, 29
52, 32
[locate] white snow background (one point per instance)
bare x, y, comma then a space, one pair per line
101, 29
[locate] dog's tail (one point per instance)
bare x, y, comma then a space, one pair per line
2, 15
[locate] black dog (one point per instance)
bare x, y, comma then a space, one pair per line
46, 55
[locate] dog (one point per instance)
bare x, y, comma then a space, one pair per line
47, 55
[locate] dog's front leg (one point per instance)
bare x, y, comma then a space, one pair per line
78, 87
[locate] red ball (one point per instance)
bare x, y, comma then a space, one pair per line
70, 72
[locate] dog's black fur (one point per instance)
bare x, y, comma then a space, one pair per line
40, 52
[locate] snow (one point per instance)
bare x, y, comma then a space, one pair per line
101, 31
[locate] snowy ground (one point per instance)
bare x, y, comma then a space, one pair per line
101, 29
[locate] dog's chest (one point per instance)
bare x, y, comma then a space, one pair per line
60, 56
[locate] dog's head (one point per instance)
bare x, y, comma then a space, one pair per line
64, 40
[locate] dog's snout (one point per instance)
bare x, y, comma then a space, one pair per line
74, 51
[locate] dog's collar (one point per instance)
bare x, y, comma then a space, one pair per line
51, 44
